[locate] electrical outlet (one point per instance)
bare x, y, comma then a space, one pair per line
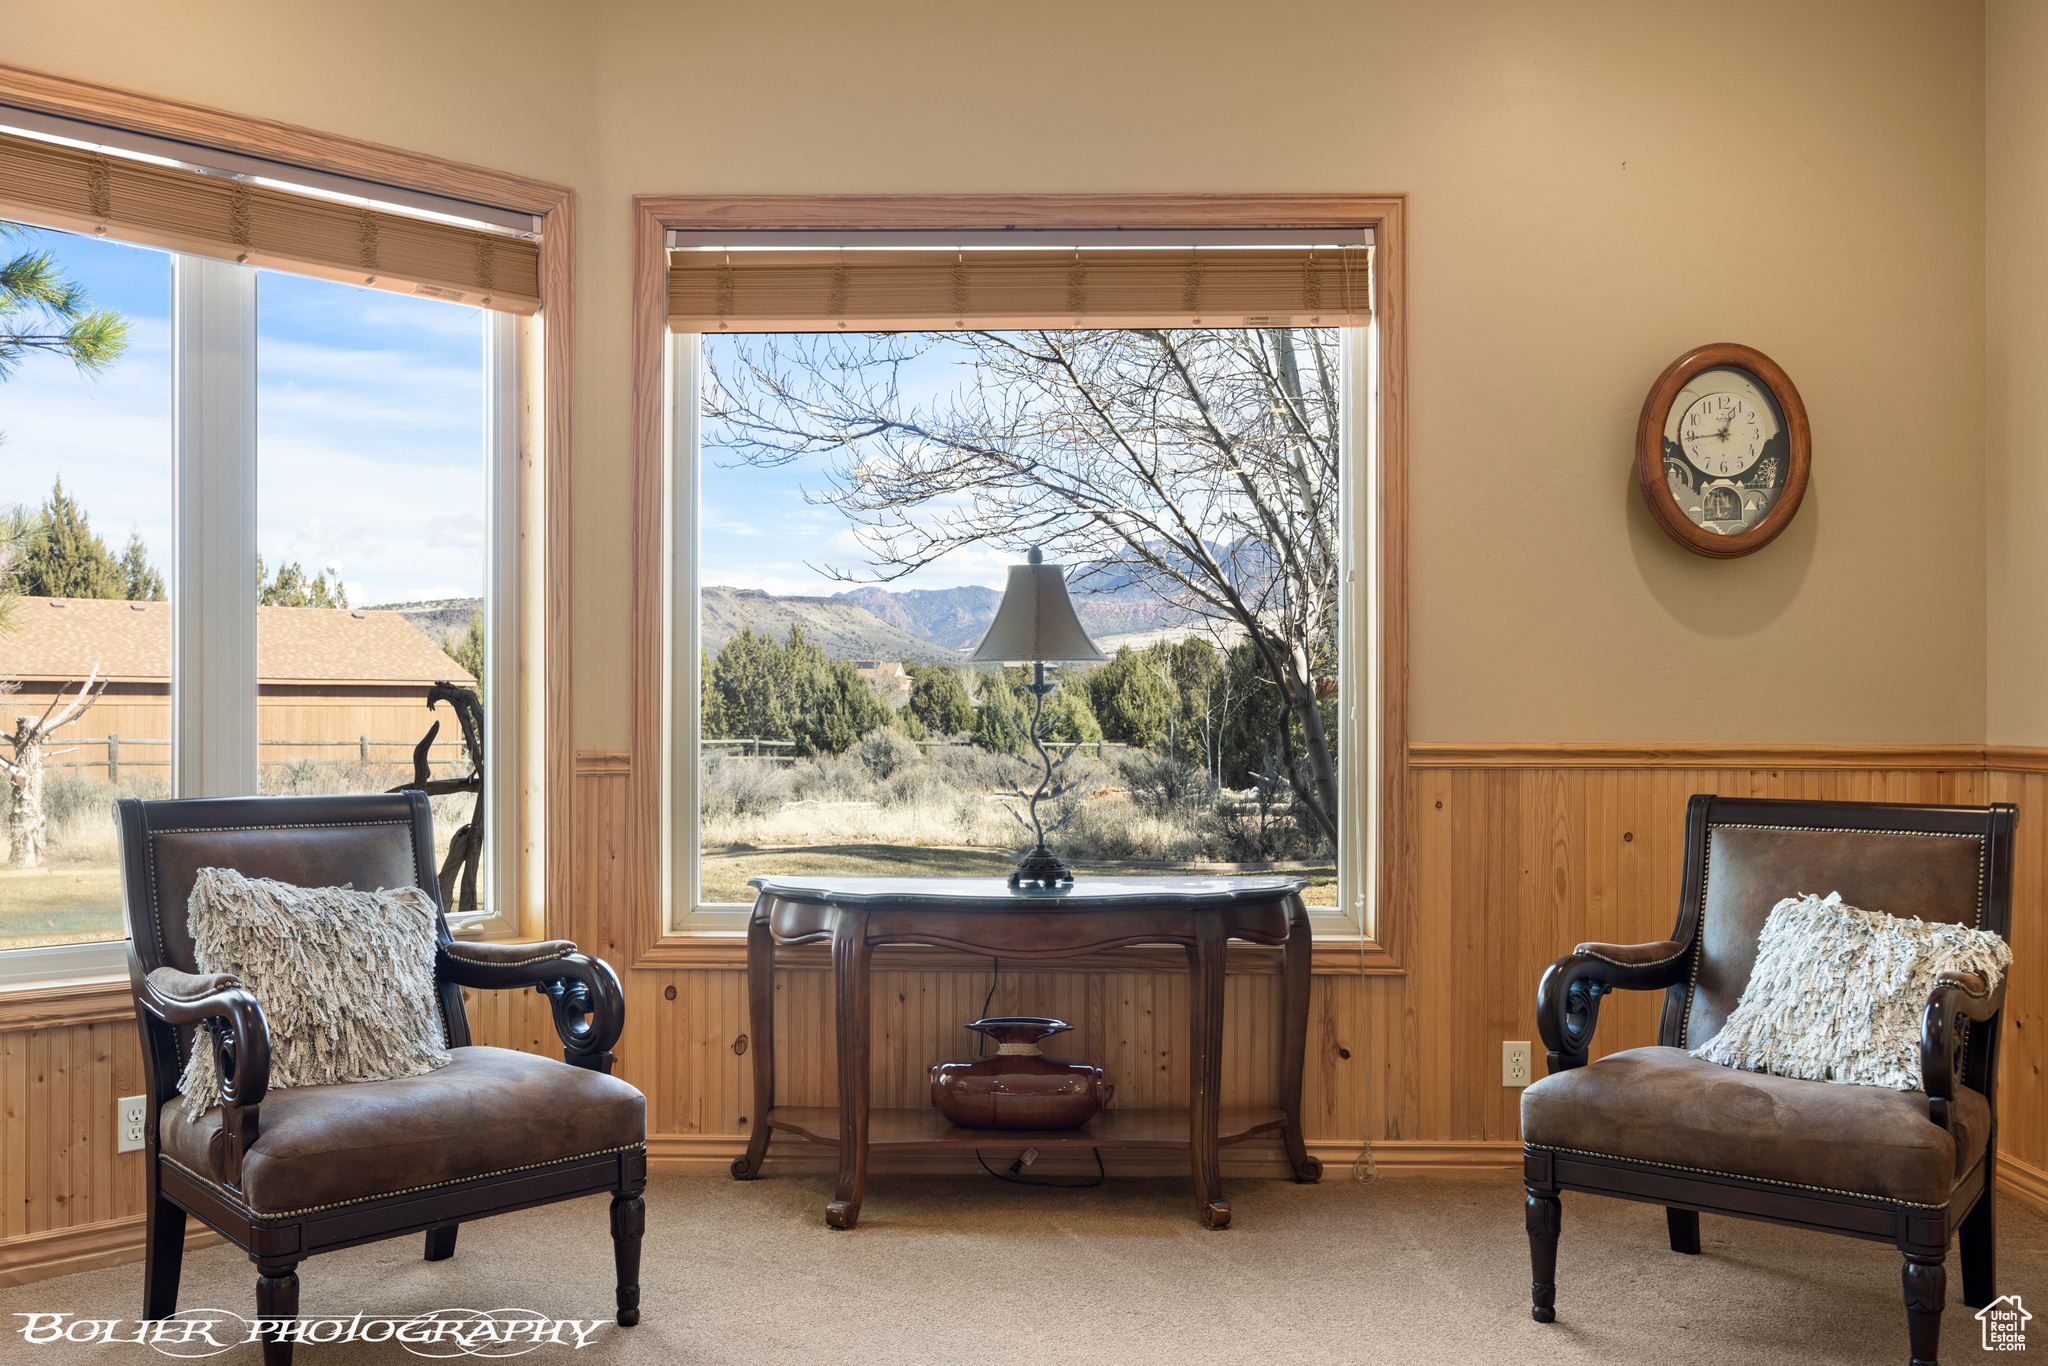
1514, 1063
128, 1132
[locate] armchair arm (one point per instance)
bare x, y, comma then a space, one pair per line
577, 984
1957, 994
1568, 998
232, 1018
232, 1021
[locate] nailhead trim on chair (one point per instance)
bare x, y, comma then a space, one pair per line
386, 1195
1621, 963
1708, 1171
449, 949
1699, 928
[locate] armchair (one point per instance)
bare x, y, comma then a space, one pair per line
289, 1173
1655, 1124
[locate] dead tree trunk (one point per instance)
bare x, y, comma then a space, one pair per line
27, 827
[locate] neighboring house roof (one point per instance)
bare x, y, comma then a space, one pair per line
63, 638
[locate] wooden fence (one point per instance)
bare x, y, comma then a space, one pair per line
782, 752
115, 759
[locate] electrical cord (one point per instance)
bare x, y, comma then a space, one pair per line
995, 975
1101, 1174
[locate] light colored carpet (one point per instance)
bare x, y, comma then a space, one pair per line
966, 1270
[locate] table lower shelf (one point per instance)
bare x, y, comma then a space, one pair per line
927, 1128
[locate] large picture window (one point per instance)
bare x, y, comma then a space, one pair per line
257, 522
844, 506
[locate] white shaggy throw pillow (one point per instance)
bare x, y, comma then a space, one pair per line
1838, 993
345, 979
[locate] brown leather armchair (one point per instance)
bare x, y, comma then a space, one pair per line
289, 1173
1655, 1124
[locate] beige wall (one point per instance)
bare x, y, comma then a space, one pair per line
1596, 188
2016, 369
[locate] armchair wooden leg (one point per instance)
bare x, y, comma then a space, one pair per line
277, 1300
1684, 1225
629, 1221
1926, 1292
441, 1242
163, 1259
1977, 1244
1545, 1215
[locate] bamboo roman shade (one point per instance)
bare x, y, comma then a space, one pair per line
88, 191
917, 290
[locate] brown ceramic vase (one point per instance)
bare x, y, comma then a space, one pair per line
1019, 1088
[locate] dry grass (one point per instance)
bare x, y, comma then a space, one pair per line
885, 810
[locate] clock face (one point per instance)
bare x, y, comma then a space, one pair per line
1726, 454
1721, 434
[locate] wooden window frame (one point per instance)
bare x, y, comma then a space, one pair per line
543, 828
654, 216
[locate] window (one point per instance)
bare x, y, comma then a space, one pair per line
373, 514
843, 509
275, 517
85, 483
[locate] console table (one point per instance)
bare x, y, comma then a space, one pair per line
987, 915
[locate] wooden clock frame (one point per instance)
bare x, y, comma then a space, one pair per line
1650, 450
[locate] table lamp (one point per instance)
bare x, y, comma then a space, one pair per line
1035, 623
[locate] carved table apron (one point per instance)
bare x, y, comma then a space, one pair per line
986, 915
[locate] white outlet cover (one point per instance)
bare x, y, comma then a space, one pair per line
1515, 1059
128, 1125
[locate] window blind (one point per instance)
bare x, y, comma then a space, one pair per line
88, 191
914, 290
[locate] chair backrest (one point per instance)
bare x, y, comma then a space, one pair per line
1744, 855
370, 842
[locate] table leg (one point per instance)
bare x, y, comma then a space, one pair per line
1205, 1046
850, 981
761, 1027
1295, 960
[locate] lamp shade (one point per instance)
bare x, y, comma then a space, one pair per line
1035, 620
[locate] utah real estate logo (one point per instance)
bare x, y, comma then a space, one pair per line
2005, 1324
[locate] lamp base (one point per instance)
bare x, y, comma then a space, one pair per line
1041, 868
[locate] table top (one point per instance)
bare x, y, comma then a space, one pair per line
996, 894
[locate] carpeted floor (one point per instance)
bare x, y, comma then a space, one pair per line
966, 1270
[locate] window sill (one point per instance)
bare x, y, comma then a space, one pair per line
54, 963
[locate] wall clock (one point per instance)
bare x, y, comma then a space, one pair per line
1722, 450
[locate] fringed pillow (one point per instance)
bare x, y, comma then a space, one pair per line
1838, 993
345, 979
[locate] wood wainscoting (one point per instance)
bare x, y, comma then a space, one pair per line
1520, 852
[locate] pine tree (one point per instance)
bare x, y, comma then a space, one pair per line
1132, 699
64, 558
938, 698
41, 311
291, 588
468, 652
144, 583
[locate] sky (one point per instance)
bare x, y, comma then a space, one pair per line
758, 532
370, 430
370, 442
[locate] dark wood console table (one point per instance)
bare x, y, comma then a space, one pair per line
985, 915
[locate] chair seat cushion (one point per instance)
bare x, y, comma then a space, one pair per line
488, 1110
1664, 1106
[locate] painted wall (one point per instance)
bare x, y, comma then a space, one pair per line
1596, 188
2016, 369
